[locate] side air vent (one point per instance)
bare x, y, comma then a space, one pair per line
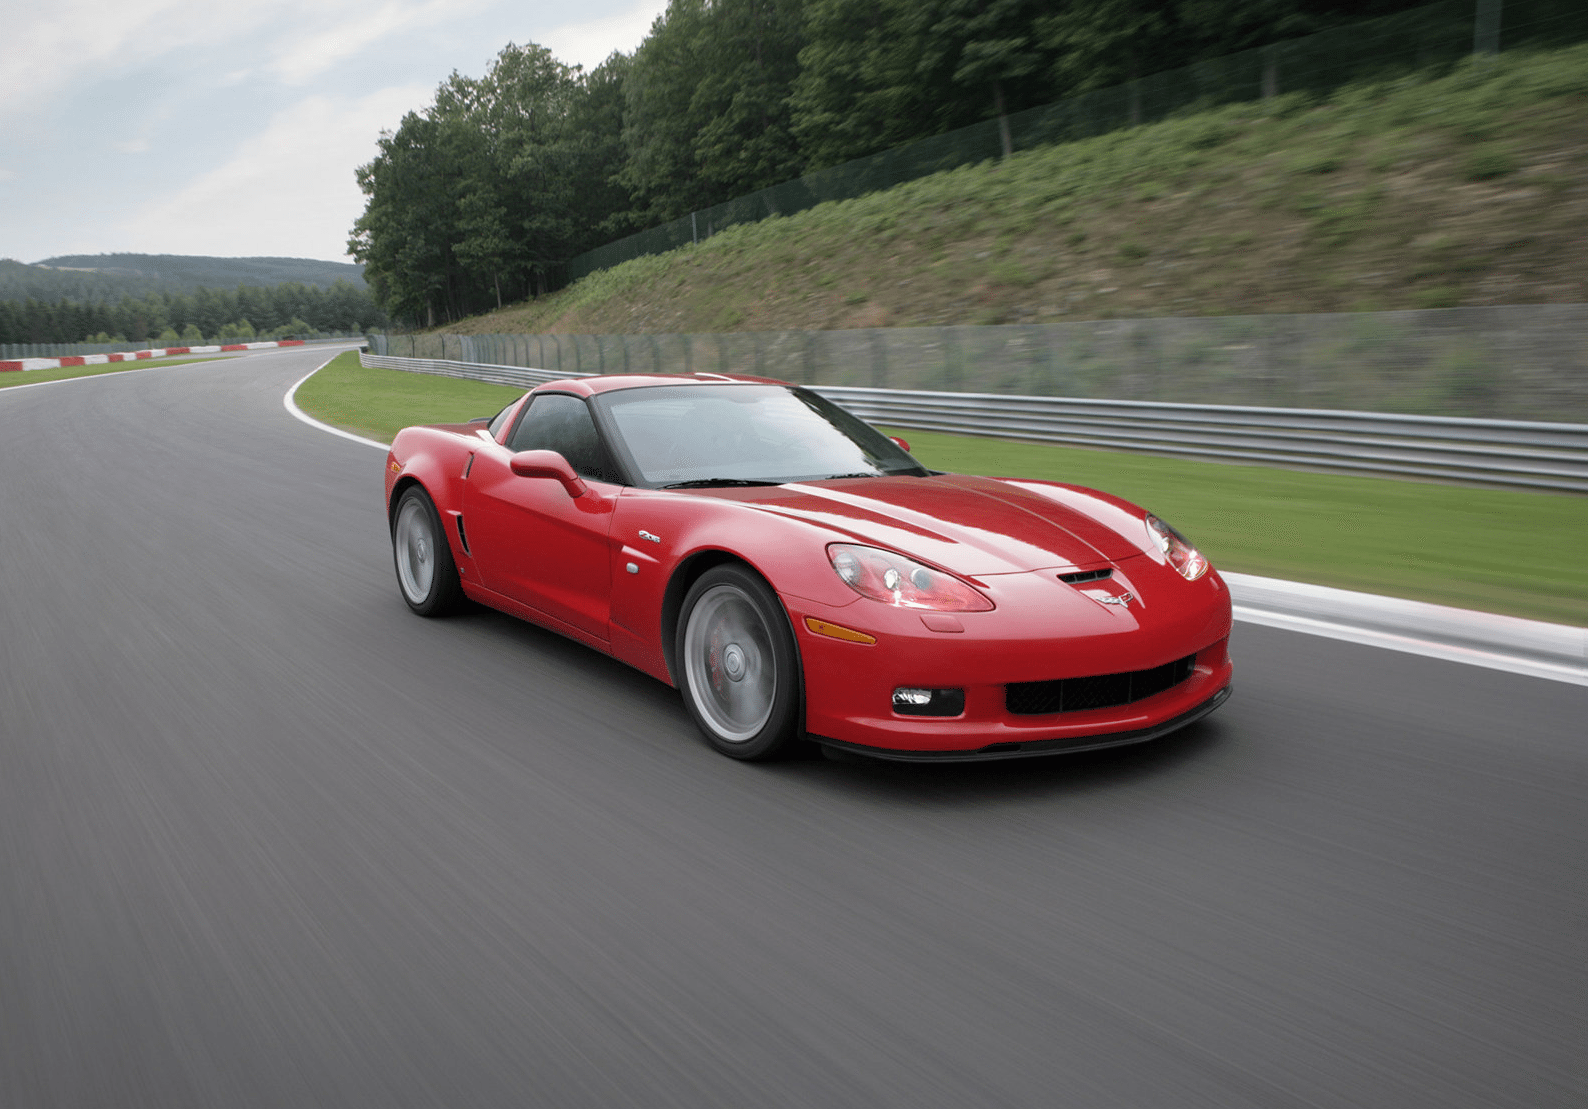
463, 536
1087, 575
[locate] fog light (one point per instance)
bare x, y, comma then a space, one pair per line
910, 701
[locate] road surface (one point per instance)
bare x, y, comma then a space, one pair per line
267, 839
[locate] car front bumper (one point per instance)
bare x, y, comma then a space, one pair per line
1039, 633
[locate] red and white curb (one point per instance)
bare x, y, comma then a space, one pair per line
135, 355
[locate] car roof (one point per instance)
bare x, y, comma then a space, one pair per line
607, 383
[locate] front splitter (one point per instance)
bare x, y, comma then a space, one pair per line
1034, 748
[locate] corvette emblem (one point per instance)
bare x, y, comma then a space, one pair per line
652, 538
1123, 599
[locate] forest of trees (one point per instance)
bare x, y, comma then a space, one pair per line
482, 197
112, 276
249, 311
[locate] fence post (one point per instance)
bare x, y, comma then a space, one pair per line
879, 359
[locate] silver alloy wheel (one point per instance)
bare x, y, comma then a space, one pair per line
730, 664
415, 542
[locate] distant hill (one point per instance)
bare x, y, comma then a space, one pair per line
97, 277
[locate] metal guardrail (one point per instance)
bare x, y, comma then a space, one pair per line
1490, 452
1487, 452
518, 376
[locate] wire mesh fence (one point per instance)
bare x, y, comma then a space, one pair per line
1438, 34
1522, 362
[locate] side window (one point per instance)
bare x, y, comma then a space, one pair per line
558, 422
499, 419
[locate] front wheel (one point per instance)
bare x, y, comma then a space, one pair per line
426, 573
737, 664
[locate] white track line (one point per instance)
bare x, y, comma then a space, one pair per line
1475, 638
1413, 645
291, 406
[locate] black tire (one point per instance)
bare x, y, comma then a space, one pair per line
427, 577
738, 666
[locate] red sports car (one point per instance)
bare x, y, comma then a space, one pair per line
798, 575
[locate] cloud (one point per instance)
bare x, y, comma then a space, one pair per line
66, 39
7, 174
290, 191
308, 57
590, 43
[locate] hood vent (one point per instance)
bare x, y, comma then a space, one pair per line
1080, 577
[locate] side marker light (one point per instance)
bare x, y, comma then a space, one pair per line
837, 631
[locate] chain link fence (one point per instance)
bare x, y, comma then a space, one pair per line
1438, 34
1526, 362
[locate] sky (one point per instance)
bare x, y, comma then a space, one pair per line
233, 128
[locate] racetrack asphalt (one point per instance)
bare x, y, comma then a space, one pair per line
267, 839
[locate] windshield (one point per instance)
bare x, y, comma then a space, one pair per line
726, 434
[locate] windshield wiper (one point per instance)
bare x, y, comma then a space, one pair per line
707, 482
835, 477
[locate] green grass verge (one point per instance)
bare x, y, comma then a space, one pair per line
1496, 550
33, 377
377, 403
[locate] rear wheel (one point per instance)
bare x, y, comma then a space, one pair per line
737, 664
426, 573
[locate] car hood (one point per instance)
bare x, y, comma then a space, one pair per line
971, 525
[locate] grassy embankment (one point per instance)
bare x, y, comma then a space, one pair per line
1516, 553
1468, 189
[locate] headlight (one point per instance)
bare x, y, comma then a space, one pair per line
896, 580
1177, 549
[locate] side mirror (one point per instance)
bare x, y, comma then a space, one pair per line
903, 446
548, 464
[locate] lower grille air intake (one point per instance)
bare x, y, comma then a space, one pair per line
1099, 691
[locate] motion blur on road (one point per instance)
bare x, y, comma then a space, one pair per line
268, 839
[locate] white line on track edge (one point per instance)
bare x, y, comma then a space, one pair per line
1306, 625
1413, 645
291, 406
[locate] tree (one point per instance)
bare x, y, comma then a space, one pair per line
1102, 43
486, 194
404, 235
707, 113
993, 47
878, 74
